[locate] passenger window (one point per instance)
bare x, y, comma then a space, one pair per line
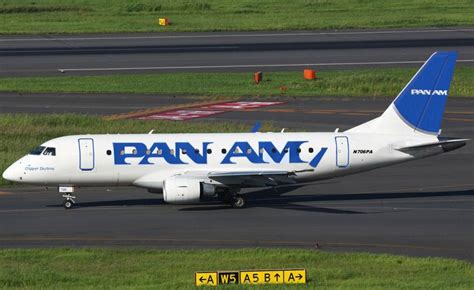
50, 151
37, 150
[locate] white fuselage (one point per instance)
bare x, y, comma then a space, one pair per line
147, 159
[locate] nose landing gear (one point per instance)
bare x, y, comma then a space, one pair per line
69, 201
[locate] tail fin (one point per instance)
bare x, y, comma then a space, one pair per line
419, 107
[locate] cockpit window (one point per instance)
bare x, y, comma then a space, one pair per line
50, 151
37, 151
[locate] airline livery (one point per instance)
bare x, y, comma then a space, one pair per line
190, 168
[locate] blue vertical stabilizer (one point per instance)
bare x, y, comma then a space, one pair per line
421, 103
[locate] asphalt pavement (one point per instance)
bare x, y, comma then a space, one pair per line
40, 55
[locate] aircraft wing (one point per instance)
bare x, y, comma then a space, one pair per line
244, 178
252, 178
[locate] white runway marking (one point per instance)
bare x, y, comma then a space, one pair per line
123, 49
233, 35
197, 67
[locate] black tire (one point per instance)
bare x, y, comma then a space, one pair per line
238, 201
68, 204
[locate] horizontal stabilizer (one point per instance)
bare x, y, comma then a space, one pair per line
446, 145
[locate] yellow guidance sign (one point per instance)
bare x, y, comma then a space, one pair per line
228, 277
297, 276
254, 277
261, 277
205, 279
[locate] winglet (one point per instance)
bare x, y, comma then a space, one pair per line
256, 127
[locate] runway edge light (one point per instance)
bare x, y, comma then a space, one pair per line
163, 21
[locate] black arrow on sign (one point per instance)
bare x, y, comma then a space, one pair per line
299, 276
277, 276
202, 279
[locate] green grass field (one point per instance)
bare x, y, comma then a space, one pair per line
160, 269
20, 133
56, 16
347, 83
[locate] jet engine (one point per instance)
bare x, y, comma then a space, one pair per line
180, 190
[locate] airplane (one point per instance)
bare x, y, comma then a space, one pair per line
189, 168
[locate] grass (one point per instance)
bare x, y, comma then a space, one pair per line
165, 269
20, 133
56, 16
351, 83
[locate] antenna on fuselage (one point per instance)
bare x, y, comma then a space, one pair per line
151, 132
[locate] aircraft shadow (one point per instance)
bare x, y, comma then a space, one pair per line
276, 198
271, 198
123, 202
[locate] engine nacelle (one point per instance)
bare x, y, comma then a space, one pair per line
181, 190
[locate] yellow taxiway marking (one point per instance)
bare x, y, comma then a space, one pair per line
460, 112
5, 193
279, 110
356, 114
460, 119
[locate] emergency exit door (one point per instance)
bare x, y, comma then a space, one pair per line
342, 151
86, 154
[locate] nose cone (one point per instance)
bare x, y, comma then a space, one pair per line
11, 174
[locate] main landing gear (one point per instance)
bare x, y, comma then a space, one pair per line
238, 201
232, 197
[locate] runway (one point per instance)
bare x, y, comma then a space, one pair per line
423, 208
41, 55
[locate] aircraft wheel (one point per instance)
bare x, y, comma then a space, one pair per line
68, 204
238, 201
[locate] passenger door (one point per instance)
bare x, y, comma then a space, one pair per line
342, 151
86, 154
